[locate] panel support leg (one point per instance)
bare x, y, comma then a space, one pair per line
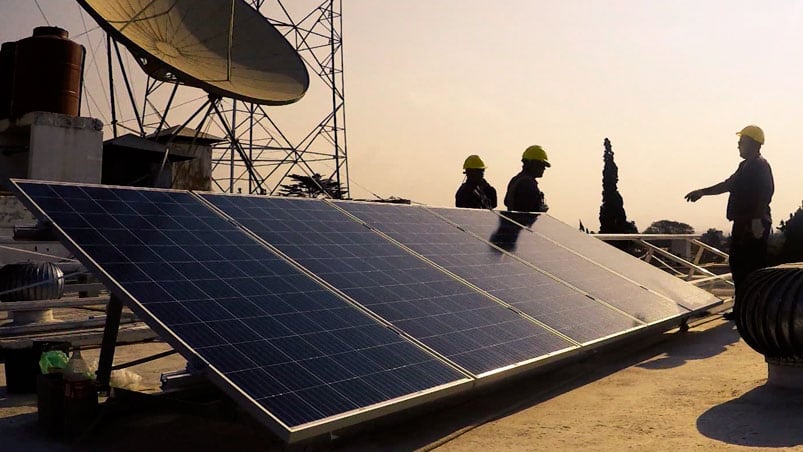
114, 311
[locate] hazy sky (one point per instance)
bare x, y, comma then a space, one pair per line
430, 82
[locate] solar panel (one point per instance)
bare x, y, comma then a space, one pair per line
460, 323
300, 356
545, 298
601, 283
657, 280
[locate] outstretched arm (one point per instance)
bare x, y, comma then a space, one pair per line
717, 189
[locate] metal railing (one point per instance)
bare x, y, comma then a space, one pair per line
684, 258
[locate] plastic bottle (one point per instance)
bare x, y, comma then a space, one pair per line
76, 369
80, 402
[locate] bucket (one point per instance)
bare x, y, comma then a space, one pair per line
22, 366
22, 363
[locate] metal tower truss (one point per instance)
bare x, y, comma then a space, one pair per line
317, 37
261, 145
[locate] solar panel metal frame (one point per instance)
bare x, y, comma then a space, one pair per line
288, 434
482, 379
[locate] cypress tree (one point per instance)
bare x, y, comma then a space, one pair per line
612, 216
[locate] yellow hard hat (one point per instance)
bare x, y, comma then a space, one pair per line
753, 132
535, 152
473, 162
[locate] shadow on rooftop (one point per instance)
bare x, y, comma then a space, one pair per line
701, 345
16, 400
766, 416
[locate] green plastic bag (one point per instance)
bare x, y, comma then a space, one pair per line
52, 361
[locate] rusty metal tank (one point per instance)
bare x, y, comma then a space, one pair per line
7, 53
48, 70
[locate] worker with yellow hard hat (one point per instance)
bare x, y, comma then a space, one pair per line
751, 188
475, 192
523, 194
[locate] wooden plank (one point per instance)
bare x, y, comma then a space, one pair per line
128, 334
83, 287
7, 331
37, 305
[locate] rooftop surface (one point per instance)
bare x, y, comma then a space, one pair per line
703, 389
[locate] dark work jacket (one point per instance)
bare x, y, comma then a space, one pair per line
751, 188
523, 194
476, 196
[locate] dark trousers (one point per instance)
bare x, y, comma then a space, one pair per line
747, 253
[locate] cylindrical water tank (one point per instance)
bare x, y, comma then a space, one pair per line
48, 71
7, 53
31, 281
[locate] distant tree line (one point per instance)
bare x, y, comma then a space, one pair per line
785, 245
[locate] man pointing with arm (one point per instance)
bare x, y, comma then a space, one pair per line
751, 188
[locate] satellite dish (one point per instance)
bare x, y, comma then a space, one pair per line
226, 48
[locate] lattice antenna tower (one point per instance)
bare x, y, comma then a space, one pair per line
258, 151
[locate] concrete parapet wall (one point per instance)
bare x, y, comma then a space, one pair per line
64, 148
44, 118
52, 146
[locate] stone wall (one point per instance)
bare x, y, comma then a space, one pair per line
12, 213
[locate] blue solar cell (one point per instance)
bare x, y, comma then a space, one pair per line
568, 266
545, 298
217, 295
453, 319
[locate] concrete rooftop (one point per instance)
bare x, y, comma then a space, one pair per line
699, 390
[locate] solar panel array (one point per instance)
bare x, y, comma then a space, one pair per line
316, 315
455, 320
